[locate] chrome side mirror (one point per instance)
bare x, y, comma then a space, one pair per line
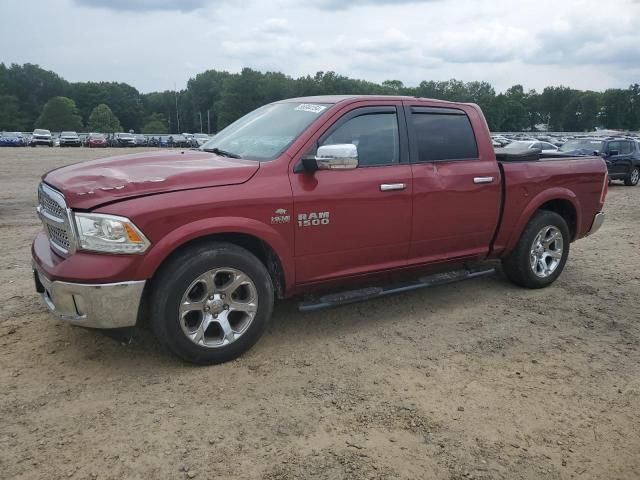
337, 157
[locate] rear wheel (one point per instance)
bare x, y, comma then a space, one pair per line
541, 253
211, 303
633, 178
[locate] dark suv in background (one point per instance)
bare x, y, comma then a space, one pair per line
621, 154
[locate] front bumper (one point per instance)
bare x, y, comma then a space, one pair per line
109, 305
598, 220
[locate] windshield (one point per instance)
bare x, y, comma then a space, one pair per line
264, 133
573, 145
96, 135
69, 134
41, 132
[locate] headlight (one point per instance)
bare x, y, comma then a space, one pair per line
109, 233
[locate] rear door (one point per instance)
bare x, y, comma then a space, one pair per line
350, 222
456, 184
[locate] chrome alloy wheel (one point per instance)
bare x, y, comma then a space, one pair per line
218, 307
546, 251
635, 176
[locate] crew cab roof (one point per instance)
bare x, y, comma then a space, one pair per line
333, 99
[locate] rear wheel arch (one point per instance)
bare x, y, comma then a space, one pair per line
559, 200
566, 210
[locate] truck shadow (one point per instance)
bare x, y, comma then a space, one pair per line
291, 331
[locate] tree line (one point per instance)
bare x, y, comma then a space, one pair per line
31, 97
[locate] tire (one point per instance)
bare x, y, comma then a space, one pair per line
632, 179
180, 284
518, 266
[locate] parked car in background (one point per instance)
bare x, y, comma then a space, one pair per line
190, 139
97, 140
70, 139
500, 140
12, 139
623, 160
41, 136
200, 139
124, 140
583, 146
622, 156
544, 147
181, 141
140, 140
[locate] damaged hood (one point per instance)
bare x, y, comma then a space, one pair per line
89, 184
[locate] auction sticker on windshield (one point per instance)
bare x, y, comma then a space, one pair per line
309, 107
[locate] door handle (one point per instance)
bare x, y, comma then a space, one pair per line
387, 187
478, 180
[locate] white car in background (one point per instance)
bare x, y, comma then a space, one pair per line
200, 139
546, 147
40, 136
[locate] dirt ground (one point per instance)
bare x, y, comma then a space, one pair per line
478, 380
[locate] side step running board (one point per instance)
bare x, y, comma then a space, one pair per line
353, 296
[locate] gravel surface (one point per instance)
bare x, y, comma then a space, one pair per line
477, 380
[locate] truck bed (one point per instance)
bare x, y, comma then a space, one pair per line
531, 178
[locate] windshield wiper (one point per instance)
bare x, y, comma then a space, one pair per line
224, 153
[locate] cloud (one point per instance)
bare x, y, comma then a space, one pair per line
487, 43
604, 40
146, 5
346, 4
579, 43
276, 25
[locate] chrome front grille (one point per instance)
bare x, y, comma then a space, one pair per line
59, 236
51, 206
52, 210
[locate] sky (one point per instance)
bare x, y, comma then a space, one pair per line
156, 44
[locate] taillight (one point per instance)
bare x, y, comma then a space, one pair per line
605, 188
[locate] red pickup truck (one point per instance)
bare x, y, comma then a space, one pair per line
360, 195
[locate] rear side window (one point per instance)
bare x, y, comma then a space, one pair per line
443, 136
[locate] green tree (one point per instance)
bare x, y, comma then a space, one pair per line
103, 120
155, 123
60, 113
11, 118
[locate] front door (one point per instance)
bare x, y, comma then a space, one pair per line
619, 156
350, 222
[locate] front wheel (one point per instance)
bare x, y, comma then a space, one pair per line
633, 178
541, 253
211, 303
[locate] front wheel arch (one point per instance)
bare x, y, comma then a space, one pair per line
261, 249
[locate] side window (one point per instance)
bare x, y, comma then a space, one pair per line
443, 137
615, 146
539, 146
376, 136
626, 147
